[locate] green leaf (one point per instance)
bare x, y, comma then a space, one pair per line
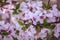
17, 32
21, 22
48, 6
19, 11
15, 12
17, 6
45, 24
4, 33
24, 28
2, 0
45, 20
30, 24
44, 5
52, 26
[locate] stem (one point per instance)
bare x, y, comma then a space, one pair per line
48, 2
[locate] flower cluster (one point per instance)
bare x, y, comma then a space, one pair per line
29, 21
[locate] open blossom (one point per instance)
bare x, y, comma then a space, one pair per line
57, 30
44, 32
31, 30
40, 2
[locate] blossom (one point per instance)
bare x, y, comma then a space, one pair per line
40, 2
43, 32
32, 12
2, 22
31, 30
57, 30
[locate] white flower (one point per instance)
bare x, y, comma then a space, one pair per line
31, 30
9, 1
44, 11
39, 3
57, 30
33, 4
54, 7
52, 19
22, 5
29, 4
49, 14
44, 32
26, 17
30, 15
9, 6
2, 22
7, 38
38, 13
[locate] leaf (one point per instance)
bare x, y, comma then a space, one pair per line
30, 24
19, 11
17, 6
17, 32
48, 6
52, 26
4, 33
21, 22
45, 24
24, 28
15, 12
44, 5
2, 0
45, 20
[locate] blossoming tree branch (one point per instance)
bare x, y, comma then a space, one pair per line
29, 20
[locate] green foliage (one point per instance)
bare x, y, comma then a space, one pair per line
49, 26
21, 22
2, 0
46, 6
24, 28
19, 11
15, 12
29, 24
52, 26
45, 22
51, 37
4, 33
17, 32
17, 6
38, 26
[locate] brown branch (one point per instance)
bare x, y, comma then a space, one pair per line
54, 22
